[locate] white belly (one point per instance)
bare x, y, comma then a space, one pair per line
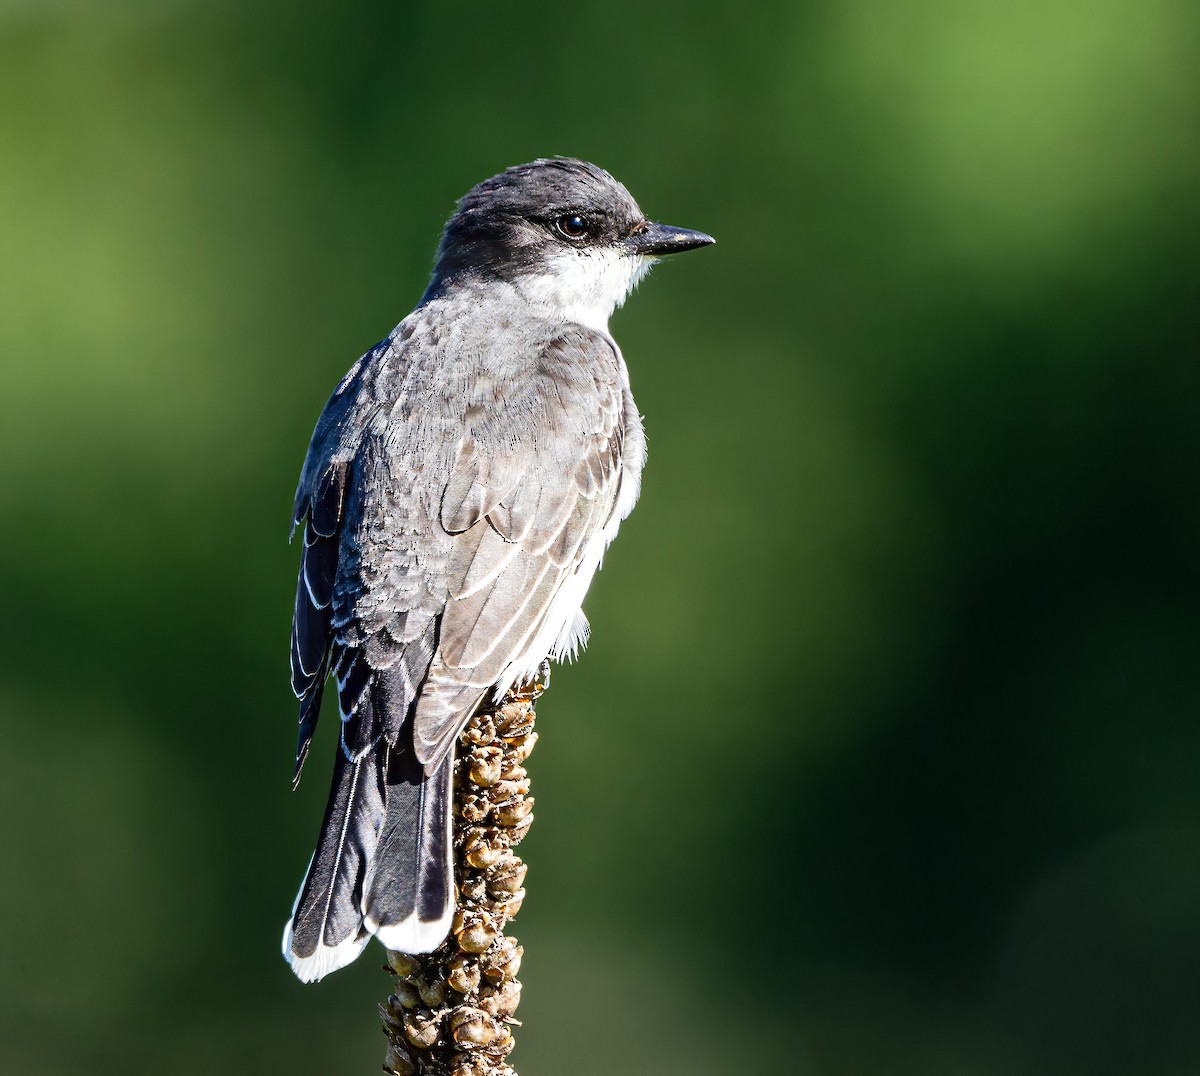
564, 630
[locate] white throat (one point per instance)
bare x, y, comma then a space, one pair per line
584, 286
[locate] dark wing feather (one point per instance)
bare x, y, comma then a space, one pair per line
311, 620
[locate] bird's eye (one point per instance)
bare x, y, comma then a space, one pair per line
573, 226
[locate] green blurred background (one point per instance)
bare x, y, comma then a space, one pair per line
883, 758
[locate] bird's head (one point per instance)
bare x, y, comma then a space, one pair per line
565, 234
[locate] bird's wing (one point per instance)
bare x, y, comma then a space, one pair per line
319, 508
311, 635
533, 483
364, 610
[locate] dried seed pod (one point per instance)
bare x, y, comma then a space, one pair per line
472, 1065
473, 835
473, 887
502, 962
517, 833
506, 878
508, 790
476, 938
513, 813
503, 1042
511, 906
482, 730
505, 860
432, 993
391, 1013
485, 765
402, 964
421, 1029
515, 742
474, 809
406, 995
472, 1027
477, 934
483, 850
524, 746
501, 1000
464, 974
513, 721
507, 998
512, 770
398, 1061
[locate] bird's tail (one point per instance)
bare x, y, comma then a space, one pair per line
382, 864
409, 901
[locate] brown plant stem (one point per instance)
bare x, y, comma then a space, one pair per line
452, 1010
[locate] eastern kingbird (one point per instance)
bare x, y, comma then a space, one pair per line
459, 491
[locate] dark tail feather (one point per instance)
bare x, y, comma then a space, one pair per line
409, 900
326, 930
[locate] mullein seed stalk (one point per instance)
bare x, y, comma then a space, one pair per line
452, 1010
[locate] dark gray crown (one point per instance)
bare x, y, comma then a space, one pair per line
554, 185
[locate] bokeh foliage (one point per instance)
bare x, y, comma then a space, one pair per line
883, 758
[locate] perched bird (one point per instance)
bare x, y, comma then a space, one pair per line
459, 491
